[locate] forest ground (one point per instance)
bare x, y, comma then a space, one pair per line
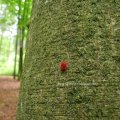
9, 90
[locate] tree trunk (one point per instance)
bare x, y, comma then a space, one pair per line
24, 19
18, 36
21, 53
85, 34
15, 59
1, 40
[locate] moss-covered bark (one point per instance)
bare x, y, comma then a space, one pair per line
86, 34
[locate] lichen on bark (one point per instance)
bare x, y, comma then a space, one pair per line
86, 34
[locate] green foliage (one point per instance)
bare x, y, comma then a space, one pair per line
13, 7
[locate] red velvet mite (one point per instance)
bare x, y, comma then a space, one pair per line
63, 66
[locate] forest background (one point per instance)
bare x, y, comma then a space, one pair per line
14, 25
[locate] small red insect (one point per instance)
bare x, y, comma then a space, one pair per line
63, 66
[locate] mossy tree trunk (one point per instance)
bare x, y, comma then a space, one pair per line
85, 33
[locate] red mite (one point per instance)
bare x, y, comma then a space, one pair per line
63, 66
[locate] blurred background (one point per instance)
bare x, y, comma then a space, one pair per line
14, 26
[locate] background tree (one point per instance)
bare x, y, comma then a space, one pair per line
85, 33
23, 27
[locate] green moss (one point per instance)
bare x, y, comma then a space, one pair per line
86, 34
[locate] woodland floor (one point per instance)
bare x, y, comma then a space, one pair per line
9, 90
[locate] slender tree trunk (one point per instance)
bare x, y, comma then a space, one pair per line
18, 37
8, 50
81, 33
24, 18
16, 49
21, 52
1, 39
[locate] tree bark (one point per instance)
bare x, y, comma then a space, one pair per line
84, 33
